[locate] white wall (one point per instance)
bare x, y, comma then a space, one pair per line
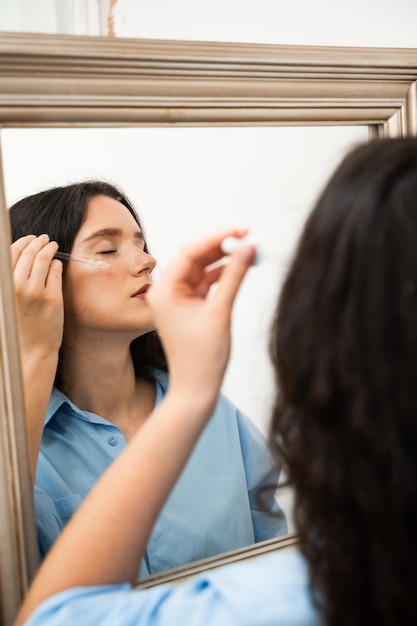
385, 23
303, 22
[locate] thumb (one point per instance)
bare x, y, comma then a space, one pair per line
233, 274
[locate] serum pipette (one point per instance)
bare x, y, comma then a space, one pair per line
65, 256
229, 244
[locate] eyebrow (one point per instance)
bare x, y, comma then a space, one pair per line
112, 232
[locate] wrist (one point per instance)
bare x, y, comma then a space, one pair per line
39, 360
198, 403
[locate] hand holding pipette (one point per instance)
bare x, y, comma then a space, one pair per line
229, 244
37, 281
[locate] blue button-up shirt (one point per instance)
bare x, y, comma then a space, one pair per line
267, 591
213, 507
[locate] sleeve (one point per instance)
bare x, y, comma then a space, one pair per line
261, 471
269, 591
48, 522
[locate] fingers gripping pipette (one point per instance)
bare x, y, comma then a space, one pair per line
229, 244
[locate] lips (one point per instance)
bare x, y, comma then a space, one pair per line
141, 291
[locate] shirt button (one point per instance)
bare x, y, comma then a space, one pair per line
112, 441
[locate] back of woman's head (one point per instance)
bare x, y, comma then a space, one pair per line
60, 212
344, 346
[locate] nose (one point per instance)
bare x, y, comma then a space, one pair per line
140, 261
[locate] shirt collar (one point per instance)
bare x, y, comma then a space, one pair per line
59, 400
56, 400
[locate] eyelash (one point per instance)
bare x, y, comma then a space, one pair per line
113, 251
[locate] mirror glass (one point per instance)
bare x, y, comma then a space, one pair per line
186, 182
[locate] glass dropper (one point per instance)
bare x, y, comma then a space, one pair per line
65, 256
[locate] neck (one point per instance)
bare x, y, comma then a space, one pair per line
104, 382
100, 379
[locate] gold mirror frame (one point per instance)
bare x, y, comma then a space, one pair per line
58, 81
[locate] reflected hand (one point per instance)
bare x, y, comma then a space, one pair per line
37, 281
193, 320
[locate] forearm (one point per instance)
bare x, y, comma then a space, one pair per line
38, 373
111, 529
37, 279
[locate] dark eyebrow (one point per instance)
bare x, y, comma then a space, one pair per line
112, 232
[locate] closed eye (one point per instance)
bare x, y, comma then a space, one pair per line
107, 251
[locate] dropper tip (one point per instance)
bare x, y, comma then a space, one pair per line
229, 245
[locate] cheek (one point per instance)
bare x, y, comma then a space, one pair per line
84, 296
90, 294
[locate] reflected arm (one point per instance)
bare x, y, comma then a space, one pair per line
37, 282
38, 372
101, 544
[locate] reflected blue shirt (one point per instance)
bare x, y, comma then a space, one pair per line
271, 590
213, 508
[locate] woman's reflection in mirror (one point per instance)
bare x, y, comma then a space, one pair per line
94, 370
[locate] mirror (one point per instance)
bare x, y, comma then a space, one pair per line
185, 181
49, 81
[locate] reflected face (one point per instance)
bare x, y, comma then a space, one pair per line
110, 300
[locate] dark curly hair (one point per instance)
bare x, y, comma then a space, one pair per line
344, 348
60, 213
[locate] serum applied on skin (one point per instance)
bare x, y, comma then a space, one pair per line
65, 256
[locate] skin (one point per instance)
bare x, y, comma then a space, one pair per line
195, 330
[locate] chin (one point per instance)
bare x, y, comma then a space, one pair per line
144, 330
